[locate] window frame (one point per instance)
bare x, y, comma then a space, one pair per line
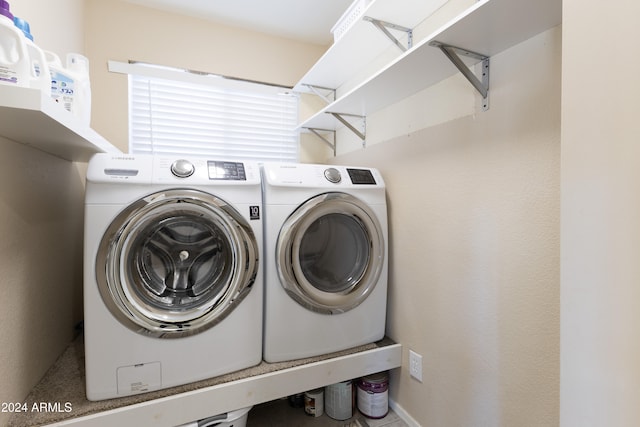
267, 140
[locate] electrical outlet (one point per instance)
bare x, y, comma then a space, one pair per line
415, 365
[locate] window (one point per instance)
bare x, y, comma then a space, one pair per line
186, 113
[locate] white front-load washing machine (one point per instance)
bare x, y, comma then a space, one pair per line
173, 283
325, 259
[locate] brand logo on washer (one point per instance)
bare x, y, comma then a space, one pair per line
254, 212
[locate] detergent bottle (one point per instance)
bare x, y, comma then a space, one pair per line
78, 67
39, 70
70, 85
62, 84
14, 58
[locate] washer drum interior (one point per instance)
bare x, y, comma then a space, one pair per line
176, 263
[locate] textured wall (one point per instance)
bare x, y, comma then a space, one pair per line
600, 215
41, 231
474, 207
40, 264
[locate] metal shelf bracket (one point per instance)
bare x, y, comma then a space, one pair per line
362, 135
453, 54
385, 26
327, 94
324, 139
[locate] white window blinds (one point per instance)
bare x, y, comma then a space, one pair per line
212, 116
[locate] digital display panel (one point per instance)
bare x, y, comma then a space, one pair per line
361, 176
228, 171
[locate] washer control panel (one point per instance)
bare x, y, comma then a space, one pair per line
160, 169
228, 171
216, 170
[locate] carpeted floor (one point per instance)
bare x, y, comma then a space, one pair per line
64, 382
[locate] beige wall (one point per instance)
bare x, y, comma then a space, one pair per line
57, 26
41, 228
121, 31
474, 201
600, 215
474, 205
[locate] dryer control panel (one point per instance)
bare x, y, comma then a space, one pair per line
357, 176
361, 176
321, 176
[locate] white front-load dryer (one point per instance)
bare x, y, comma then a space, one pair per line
173, 283
325, 259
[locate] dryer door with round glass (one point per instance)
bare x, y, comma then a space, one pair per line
330, 253
176, 263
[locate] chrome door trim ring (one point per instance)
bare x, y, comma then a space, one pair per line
132, 313
288, 266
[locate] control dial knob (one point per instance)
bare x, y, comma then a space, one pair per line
333, 175
182, 168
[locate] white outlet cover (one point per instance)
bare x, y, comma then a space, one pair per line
415, 365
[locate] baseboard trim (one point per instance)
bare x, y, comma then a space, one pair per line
404, 415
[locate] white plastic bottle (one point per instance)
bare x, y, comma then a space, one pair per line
78, 66
70, 85
14, 58
39, 70
62, 83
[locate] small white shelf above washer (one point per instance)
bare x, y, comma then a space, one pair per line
29, 117
488, 28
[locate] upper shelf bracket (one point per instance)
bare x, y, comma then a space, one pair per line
328, 94
481, 85
384, 27
362, 135
317, 133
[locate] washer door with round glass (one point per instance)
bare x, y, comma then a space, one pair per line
176, 263
330, 253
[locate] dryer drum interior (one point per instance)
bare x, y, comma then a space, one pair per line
330, 253
329, 265
176, 263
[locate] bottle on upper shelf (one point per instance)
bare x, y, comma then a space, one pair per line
70, 84
38, 68
22, 62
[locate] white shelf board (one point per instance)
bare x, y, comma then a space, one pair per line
363, 42
201, 403
489, 27
29, 117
